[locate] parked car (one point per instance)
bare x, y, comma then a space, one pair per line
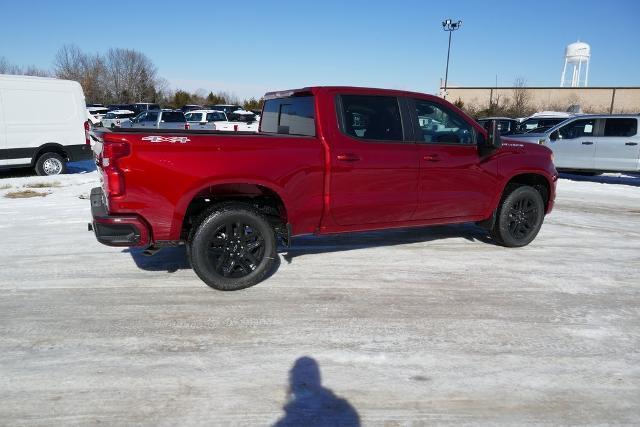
227, 108
592, 143
205, 119
43, 124
137, 107
96, 114
115, 119
507, 125
240, 121
326, 160
542, 121
164, 119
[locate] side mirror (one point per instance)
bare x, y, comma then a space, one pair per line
555, 135
493, 141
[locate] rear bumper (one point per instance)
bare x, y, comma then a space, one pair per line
116, 230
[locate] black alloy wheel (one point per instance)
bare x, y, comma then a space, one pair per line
232, 247
519, 217
236, 249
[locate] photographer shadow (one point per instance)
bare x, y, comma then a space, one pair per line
311, 404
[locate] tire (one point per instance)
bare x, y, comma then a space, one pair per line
51, 164
232, 247
519, 217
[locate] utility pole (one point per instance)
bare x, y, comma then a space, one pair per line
450, 26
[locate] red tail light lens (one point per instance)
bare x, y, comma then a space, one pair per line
186, 126
235, 128
114, 177
87, 128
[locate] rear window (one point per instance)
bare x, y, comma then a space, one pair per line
216, 117
621, 127
290, 116
173, 117
247, 118
194, 117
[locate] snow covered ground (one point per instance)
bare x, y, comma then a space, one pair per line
405, 327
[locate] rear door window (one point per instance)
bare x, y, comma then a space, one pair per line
151, 117
371, 117
621, 127
291, 116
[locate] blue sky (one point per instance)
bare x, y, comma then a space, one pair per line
249, 47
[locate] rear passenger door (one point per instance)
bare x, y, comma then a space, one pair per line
374, 161
618, 149
574, 147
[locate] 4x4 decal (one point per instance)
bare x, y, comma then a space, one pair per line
171, 139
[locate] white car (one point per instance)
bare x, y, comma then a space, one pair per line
592, 143
238, 121
116, 118
46, 137
96, 114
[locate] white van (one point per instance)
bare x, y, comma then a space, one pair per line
43, 123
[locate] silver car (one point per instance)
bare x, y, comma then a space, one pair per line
165, 119
600, 143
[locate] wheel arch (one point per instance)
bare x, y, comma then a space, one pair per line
49, 147
536, 180
262, 196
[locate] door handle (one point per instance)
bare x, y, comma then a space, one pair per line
431, 158
348, 157
587, 143
631, 143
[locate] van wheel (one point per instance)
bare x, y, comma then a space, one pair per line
232, 248
519, 217
51, 164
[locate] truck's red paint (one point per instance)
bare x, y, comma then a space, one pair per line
329, 183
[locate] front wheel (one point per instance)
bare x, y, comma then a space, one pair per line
519, 217
234, 247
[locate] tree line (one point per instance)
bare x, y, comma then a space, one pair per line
121, 76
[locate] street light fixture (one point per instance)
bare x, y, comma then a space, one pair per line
450, 26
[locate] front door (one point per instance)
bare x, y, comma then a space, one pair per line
575, 146
618, 149
454, 180
374, 162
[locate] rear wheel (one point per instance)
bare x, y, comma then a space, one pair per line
232, 248
519, 217
51, 164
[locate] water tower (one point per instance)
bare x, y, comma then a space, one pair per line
576, 55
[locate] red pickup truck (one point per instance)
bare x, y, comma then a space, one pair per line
326, 160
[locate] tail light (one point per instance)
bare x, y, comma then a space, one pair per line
186, 126
114, 176
87, 127
235, 128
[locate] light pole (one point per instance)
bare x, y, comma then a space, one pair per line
450, 26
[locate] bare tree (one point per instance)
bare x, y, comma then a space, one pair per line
130, 75
7, 68
70, 63
521, 104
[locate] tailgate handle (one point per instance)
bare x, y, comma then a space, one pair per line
631, 143
348, 157
587, 143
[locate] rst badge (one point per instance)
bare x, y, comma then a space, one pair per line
171, 139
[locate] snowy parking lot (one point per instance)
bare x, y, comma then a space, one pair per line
389, 328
